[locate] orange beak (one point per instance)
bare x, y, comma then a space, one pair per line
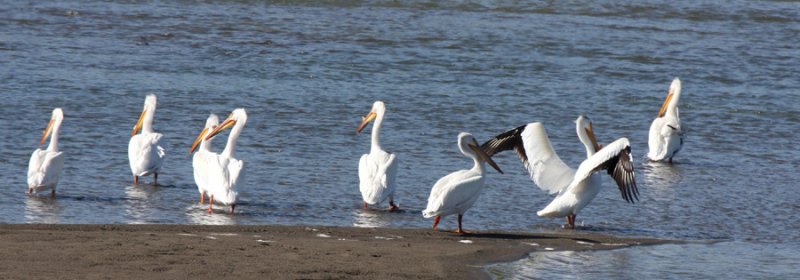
664, 106
226, 124
365, 120
46, 132
138, 126
198, 140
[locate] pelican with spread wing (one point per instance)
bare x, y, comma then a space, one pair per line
44, 168
575, 188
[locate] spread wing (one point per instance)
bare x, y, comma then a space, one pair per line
616, 159
533, 147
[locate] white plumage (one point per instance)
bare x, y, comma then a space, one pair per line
146, 150
44, 168
575, 188
458, 191
666, 135
377, 170
225, 171
203, 158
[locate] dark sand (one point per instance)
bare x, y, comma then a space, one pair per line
271, 252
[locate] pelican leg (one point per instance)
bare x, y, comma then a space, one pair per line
202, 198
393, 207
210, 202
30, 191
670, 160
135, 180
570, 221
53, 193
461, 230
364, 204
436, 221
155, 178
233, 206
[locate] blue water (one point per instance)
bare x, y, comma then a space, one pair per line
307, 71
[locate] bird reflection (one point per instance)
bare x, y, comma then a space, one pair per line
200, 217
662, 179
42, 210
366, 218
137, 203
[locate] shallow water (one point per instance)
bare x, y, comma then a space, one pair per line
306, 72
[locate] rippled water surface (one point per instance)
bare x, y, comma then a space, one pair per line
306, 72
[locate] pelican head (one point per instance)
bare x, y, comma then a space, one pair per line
211, 124
585, 132
147, 114
55, 118
673, 95
468, 146
378, 108
237, 116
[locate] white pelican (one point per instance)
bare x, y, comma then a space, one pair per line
576, 188
45, 166
456, 192
666, 135
378, 169
146, 150
225, 170
201, 161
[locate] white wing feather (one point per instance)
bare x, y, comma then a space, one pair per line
377, 175
224, 174
547, 170
591, 164
44, 169
454, 193
146, 153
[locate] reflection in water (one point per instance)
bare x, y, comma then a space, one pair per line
139, 203
369, 219
197, 214
698, 261
662, 178
42, 209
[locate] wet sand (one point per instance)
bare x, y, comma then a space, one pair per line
272, 252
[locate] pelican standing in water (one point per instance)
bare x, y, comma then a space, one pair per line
225, 170
203, 159
44, 168
146, 150
456, 192
378, 169
666, 135
575, 188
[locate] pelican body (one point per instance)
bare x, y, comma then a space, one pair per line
575, 188
44, 168
458, 191
202, 161
224, 171
377, 170
146, 149
666, 134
